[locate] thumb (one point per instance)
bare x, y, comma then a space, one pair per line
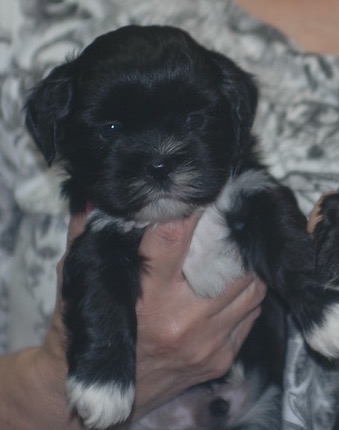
165, 246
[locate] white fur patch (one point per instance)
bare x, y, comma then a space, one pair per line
100, 406
213, 260
264, 414
99, 220
163, 210
236, 374
325, 337
332, 286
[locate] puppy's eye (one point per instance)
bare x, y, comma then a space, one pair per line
114, 126
194, 120
108, 129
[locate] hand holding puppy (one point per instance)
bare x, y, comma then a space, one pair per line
182, 340
176, 347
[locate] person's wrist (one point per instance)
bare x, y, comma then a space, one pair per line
49, 373
31, 391
49, 379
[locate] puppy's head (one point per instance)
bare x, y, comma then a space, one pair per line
147, 123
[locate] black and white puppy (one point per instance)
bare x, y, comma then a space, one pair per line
150, 127
248, 397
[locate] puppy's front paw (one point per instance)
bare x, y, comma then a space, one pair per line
100, 405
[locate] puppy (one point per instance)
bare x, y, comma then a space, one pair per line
150, 127
248, 397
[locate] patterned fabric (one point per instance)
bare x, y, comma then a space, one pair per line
297, 123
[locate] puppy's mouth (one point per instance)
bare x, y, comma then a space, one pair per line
146, 201
172, 196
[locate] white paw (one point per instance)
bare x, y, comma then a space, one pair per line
100, 406
325, 337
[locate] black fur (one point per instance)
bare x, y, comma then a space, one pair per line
150, 126
326, 236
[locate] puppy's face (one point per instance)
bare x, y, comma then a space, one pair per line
147, 122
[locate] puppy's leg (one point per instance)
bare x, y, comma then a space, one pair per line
270, 232
326, 241
100, 288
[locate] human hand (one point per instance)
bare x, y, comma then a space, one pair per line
184, 340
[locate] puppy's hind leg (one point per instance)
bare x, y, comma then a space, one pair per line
100, 288
325, 335
271, 235
326, 240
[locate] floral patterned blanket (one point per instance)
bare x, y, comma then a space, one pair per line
297, 122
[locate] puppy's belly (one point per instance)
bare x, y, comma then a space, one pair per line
213, 260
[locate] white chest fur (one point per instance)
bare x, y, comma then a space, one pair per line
213, 260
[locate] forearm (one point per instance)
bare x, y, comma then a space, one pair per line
32, 394
33, 397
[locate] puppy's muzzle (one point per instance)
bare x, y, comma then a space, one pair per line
159, 172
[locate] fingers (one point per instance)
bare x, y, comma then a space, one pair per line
220, 362
241, 331
166, 247
194, 337
194, 328
232, 325
249, 297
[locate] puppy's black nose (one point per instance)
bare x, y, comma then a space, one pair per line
159, 171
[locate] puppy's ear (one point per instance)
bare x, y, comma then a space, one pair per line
242, 93
46, 107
